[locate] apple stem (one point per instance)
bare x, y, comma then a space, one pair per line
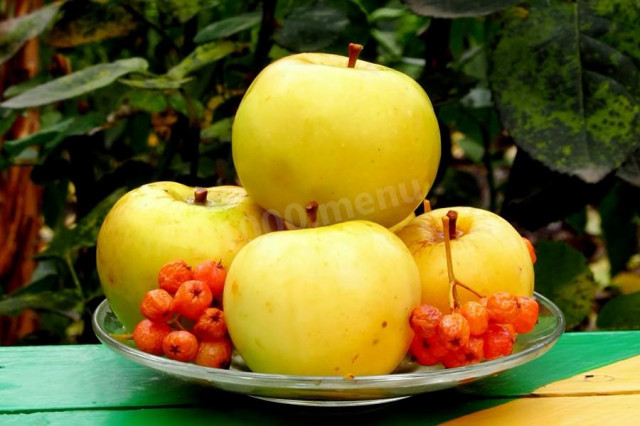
426, 205
354, 51
453, 218
200, 196
312, 213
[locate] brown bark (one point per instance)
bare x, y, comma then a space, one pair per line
20, 198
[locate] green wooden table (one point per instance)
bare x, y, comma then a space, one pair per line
91, 385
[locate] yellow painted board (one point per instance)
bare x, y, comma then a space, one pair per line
622, 377
615, 410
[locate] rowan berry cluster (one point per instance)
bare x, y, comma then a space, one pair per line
183, 317
473, 332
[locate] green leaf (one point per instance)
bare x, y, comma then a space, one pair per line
86, 22
16, 89
183, 10
220, 130
562, 274
84, 233
630, 169
567, 84
15, 32
76, 84
457, 8
228, 27
620, 313
7, 118
311, 28
158, 83
146, 100
201, 56
60, 301
52, 135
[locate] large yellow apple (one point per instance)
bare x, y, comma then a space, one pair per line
162, 221
332, 300
361, 142
488, 255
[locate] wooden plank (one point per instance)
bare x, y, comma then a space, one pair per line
622, 377
573, 354
572, 410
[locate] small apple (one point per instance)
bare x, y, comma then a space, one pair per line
164, 221
332, 300
359, 139
488, 255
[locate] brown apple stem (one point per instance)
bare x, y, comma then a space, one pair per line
200, 196
426, 205
354, 51
453, 218
312, 213
446, 227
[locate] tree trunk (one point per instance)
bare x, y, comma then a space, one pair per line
20, 199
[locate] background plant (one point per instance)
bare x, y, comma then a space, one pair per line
538, 102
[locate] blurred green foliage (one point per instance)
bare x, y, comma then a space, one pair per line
539, 103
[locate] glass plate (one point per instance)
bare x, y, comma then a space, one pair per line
408, 379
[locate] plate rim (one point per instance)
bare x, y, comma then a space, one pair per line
217, 377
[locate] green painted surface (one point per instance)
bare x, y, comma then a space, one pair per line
92, 385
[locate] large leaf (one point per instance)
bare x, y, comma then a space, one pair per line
15, 32
201, 56
76, 84
630, 169
85, 22
176, 77
314, 27
52, 135
228, 27
621, 313
567, 83
60, 301
84, 233
457, 8
562, 274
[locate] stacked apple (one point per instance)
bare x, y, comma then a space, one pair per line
342, 151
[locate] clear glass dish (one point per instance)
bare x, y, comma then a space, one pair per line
408, 379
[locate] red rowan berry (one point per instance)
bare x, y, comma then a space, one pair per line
527, 316
498, 340
502, 307
422, 351
172, 274
180, 345
424, 320
211, 325
454, 331
157, 305
148, 336
213, 274
192, 299
477, 315
214, 353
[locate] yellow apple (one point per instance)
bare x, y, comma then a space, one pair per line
488, 255
362, 142
163, 221
404, 222
332, 300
